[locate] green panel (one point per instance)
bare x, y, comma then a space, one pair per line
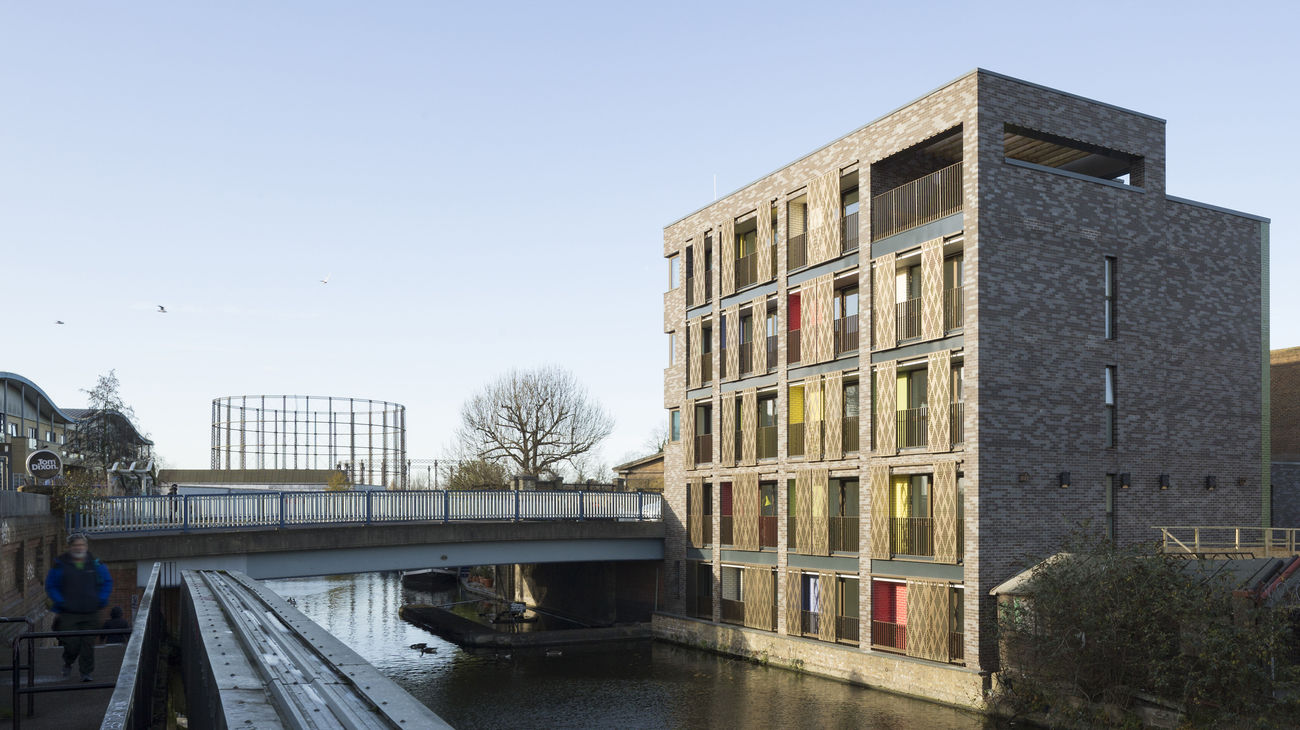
704, 554
821, 562
917, 569
749, 557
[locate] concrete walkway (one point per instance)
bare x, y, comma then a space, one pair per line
72, 710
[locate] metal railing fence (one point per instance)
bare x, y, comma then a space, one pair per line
912, 536
846, 334
913, 428
849, 239
889, 635
1261, 542
272, 510
908, 319
796, 251
954, 309
793, 350
916, 203
843, 534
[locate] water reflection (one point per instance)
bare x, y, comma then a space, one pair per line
629, 685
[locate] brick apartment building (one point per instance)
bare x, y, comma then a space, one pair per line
933, 347
1284, 401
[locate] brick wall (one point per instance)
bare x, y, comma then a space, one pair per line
1286, 494
1284, 389
26, 542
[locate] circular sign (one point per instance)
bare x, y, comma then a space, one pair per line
44, 464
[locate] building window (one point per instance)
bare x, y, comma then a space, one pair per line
747, 342
912, 526
31, 432
957, 405
767, 427
843, 504
1110, 297
846, 320
703, 434
912, 409
674, 276
907, 298
49, 437
850, 416
767, 515
794, 421
675, 425
733, 600
771, 338
889, 615
1110, 407
13, 430
672, 348
793, 353
953, 305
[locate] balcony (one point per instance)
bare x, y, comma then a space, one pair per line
722, 362
909, 319
704, 448
771, 353
957, 422
746, 271
912, 428
850, 434
849, 239
690, 292
846, 334
912, 536
956, 647
889, 636
792, 352
739, 441
706, 367
725, 536
843, 534
809, 623
795, 444
733, 612
746, 358
796, 251
916, 203
953, 309
766, 442
767, 531
848, 629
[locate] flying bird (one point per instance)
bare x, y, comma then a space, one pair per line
162, 309
58, 321
326, 280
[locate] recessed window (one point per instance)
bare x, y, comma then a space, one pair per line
1110, 297
674, 272
1110, 407
672, 348
675, 425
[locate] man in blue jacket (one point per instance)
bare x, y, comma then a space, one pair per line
78, 586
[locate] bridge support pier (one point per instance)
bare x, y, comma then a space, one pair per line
594, 593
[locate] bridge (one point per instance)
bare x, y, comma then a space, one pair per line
292, 534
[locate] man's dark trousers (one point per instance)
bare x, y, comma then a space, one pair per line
78, 648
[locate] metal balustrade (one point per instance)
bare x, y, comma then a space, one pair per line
913, 427
793, 351
796, 252
273, 510
916, 203
888, 635
954, 309
1260, 542
908, 319
912, 536
849, 239
845, 331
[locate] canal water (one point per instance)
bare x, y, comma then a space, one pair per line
640, 684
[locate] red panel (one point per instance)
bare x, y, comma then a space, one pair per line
793, 318
726, 498
882, 601
900, 604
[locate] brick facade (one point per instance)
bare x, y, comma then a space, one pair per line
1032, 347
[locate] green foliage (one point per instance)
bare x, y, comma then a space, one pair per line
1104, 625
478, 474
72, 492
337, 482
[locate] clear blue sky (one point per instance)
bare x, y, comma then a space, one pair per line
488, 183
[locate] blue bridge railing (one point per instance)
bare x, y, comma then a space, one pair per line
273, 510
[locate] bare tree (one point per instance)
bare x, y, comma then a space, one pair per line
657, 439
105, 434
533, 420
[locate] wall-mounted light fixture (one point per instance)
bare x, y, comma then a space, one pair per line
1125, 480
1211, 482
1241, 481
1024, 477
1164, 481
1064, 479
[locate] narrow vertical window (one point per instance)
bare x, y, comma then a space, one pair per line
1110, 507
675, 425
672, 348
674, 275
1110, 406
1110, 297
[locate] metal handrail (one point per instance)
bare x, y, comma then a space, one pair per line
279, 510
908, 314
912, 427
916, 203
1262, 541
849, 231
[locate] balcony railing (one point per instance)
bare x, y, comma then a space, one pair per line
795, 443
843, 534
850, 433
690, 292
772, 253
912, 428
746, 358
849, 239
956, 648
704, 448
846, 334
724, 530
909, 319
747, 270
953, 309
722, 362
916, 203
796, 251
957, 422
706, 367
767, 531
888, 635
848, 629
733, 612
766, 442
771, 353
809, 623
739, 442
793, 354
912, 536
